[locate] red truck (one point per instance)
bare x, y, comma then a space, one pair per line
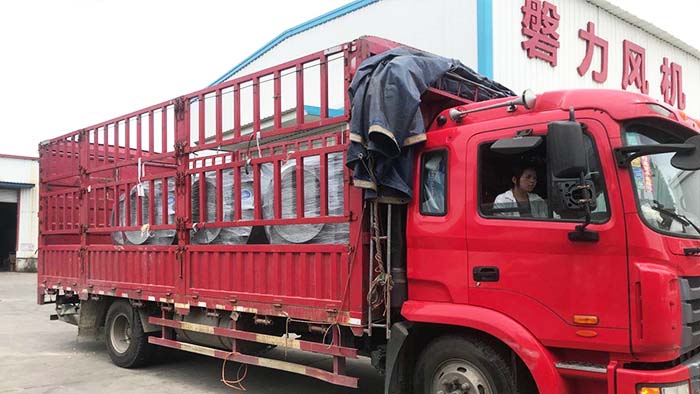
225, 222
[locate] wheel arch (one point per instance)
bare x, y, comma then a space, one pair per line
93, 313
426, 321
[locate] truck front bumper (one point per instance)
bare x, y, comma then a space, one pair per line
630, 380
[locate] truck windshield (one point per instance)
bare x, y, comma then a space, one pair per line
667, 197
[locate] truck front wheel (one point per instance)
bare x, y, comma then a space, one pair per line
127, 344
457, 365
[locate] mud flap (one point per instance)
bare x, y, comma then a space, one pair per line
92, 315
399, 333
144, 314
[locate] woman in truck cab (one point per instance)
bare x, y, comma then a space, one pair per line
520, 201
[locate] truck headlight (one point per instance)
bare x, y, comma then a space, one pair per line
675, 388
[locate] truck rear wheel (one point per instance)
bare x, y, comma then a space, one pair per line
456, 365
127, 344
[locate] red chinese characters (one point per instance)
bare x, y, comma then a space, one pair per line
593, 41
539, 24
633, 66
672, 83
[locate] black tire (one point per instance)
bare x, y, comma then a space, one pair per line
452, 360
126, 342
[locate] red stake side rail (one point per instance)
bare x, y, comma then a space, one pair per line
89, 178
231, 129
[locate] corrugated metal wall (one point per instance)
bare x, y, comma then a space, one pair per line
27, 244
24, 171
513, 68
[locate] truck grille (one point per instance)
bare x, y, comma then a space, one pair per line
690, 304
693, 365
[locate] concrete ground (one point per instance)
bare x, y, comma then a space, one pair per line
42, 356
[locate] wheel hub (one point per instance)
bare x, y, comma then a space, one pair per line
460, 377
120, 334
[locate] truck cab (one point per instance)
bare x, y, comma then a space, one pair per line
594, 284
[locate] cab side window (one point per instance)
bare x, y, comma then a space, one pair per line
516, 186
433, 183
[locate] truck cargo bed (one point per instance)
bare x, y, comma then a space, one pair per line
147, 164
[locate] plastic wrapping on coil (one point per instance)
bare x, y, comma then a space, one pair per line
117, 236
239, 235
202, 234
145, 236
340, 232
319, 233
226, 235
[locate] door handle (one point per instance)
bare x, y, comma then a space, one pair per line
486, 274
691, 251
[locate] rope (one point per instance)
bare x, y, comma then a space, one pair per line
238, 383
383, 279
353, 252
325, 333
345, 290
375, 297
247, 154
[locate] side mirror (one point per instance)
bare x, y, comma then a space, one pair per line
572, 195
688, 159
565, 149
571, 189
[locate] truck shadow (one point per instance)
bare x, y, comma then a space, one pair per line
205, 372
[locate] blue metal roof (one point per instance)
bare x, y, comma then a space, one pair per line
316, 111
338, 12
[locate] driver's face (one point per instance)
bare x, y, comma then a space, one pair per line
528, 180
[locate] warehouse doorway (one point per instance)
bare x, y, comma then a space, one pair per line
8, 234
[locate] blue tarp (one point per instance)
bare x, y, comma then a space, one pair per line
386, 121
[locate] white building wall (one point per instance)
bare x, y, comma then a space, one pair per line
513, 68
444, 27
25, 171
19, 170
449, 28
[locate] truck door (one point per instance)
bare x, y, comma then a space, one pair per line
521, 261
